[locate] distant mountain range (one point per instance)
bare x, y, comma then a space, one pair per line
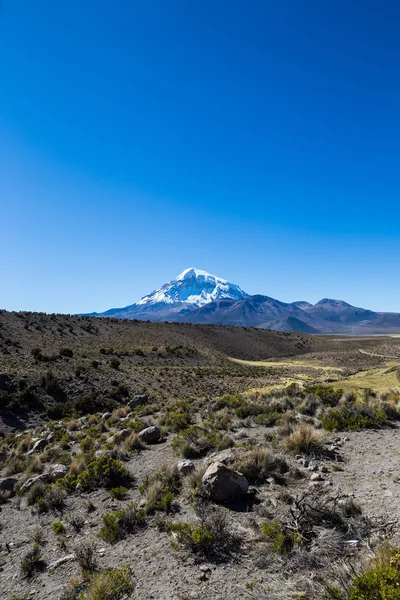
196, 296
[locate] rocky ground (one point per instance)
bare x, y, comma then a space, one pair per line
211, 489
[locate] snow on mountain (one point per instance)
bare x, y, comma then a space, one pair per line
194, 287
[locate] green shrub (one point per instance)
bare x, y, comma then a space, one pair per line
282, 539
211, 538
351, 416
120, 523
196, 441
119, 493
161, 488
328, 395
104, 471
111, 584
58, 527
379, 582
32, 561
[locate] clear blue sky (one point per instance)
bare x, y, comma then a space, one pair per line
258, 140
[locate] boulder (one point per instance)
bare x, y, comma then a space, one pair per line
185, 467
223, 483
38, 446
119, 436
42, 478
150, 435
56, 472
7, 484
138, 400
226, 457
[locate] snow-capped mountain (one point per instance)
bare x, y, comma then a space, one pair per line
196, 296
194, 287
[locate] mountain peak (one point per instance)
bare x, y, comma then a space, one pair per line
194, 287
193, 272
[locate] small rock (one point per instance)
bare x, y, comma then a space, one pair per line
315, 477
226, 457
57, 471
185, 467
324, 469
150, 435
138, 400
223, 483
60, 561
38, 446
105, 416
42, 478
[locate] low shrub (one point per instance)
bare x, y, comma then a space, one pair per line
32, 561
281, 538
351, 416
196, 441
110, 584
304, 440
119, 493
104, 471
161, 488
120, 523
58, 527
381, 581
328, 395
85, 553
259, 464
211, 538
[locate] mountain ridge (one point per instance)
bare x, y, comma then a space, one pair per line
196, 296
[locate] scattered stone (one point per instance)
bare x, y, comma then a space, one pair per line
119, 436
60, 561
57, 471
42, 478
223, 483
185, 467
315, 477
138, 401
150, 435
324, 469
38, 446
226, 457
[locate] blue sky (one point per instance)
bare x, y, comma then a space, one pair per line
257, 140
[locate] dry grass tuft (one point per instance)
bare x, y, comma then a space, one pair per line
305, 440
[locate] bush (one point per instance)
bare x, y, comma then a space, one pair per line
110, 584
379, 582
85, 554
259, 464
104, 471
327, 394
161, 488
58, 527
196, 441
211, 538
119, 493
305, 440
119, 524
350, 416
282, 538
32, 562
